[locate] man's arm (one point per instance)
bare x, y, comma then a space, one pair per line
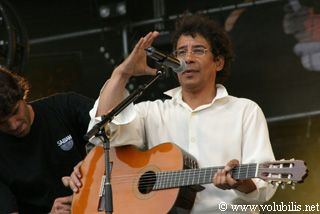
134, 65
256, 149
113, 91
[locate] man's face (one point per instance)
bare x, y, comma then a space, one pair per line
201, 64
18, 123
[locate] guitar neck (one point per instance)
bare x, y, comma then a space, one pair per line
173, 179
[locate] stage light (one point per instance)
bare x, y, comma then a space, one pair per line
121, 8
104, 11
107, 9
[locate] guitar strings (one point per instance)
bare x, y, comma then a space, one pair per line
171, 177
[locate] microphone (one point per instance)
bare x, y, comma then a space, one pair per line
177, 65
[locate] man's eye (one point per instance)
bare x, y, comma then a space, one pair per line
198, 51
181, 52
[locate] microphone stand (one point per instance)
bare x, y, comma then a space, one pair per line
105, 200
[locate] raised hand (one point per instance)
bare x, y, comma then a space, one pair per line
136, 63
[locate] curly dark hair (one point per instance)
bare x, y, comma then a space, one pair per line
12, 89
193, 25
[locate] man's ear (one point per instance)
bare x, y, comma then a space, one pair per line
219, 61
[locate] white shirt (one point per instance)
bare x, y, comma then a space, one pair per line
227, 128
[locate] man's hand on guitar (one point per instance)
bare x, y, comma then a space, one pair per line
223, 180
74, 181
62, 205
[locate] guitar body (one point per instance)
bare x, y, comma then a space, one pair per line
129, 165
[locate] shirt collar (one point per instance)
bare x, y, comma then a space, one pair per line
177, 95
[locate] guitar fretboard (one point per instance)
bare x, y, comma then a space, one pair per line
173, 179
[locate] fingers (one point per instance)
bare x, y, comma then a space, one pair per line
150, 71
65, 181
223, 179
231, 164
74, 181
62, 205
146, 41
220, 179
68, 199
136, 63
149, 38
76, 170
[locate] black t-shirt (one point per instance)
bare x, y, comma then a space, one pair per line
31, 167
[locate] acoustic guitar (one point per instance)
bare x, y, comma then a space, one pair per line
164, 179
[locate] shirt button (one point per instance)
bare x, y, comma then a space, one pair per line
193, 140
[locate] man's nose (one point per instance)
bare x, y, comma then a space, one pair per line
189, 56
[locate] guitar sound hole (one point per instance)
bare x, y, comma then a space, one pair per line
147, 182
